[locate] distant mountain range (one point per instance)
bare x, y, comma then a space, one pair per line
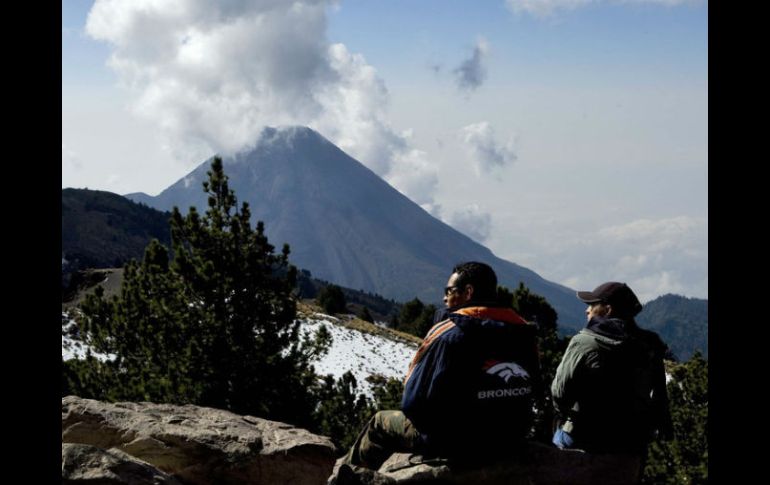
348, 226
345, 225
102, 230
680, 321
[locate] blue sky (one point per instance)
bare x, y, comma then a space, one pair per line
618, 39
571, 141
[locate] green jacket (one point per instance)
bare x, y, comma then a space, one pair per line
610, 387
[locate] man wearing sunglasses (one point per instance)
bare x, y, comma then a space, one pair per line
469, 390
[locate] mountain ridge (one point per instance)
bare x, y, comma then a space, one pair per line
103, 229
345, 224
682, 322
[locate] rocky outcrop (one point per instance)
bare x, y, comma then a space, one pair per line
163, 443
538, 465
89, 464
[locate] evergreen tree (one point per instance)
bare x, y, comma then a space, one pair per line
387, 391
536, 309
215, 326
305, 286
683, 459
394, 323
365, 315
332, 299
410, 312
425, 321
342, 410
416, 318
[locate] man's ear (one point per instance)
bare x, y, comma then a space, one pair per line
609, 310
469, 292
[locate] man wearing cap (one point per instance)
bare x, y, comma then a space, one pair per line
610, 387
469, 390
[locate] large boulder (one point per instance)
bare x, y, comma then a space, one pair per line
89, 464
538, 464
193, 444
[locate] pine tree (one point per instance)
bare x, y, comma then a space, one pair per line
365, 315
536, 309
683, 459
425, 321
342, 410
332, 299
215, 326
394, 323
416, 318
410, 312
387, 391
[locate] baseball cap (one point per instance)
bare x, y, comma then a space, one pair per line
619, 295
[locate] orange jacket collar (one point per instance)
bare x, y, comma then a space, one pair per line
494, 313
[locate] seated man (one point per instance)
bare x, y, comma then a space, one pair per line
470, 387
610, 387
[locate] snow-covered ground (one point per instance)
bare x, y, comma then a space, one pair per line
71, 348
361, 353
71, 345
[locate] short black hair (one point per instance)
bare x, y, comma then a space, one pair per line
479, 275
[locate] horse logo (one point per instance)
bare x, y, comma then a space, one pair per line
507, 371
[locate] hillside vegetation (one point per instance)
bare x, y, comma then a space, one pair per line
214, 323
680, 321
104, 230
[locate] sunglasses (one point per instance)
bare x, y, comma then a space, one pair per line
450, 289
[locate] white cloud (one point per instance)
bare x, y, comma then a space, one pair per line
211, 75
672, 254
485, 151
546, 8
472, 222
471, 73
414, 176
657, 235
69, 159
653, 256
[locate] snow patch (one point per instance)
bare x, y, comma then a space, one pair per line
361, 353
72, 347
